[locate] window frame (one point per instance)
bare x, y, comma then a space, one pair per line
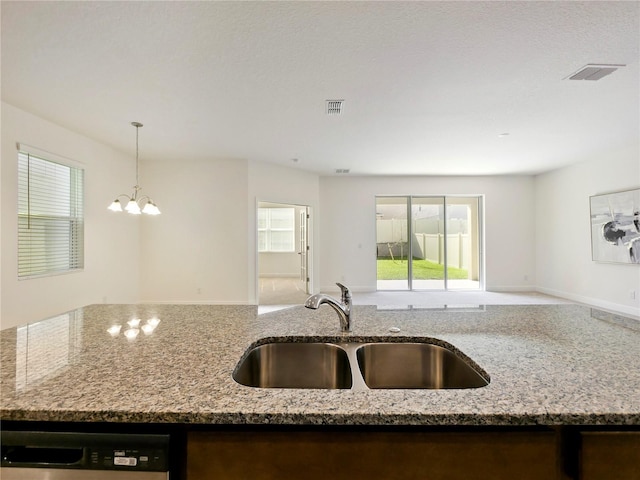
51, 236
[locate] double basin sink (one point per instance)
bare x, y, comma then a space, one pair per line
357, 366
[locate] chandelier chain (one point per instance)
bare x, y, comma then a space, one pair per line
137, 125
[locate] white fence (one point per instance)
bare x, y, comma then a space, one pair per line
393, 230
392, 237
430, 246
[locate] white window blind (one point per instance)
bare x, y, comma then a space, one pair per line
276, 229
50, 217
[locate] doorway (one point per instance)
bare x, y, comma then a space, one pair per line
429, 242
284, 261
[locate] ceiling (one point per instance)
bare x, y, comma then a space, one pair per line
428, 86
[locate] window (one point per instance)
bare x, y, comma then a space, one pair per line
50, 217
276, 229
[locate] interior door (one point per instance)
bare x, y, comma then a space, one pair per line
303, 248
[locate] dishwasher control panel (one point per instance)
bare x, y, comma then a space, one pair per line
85, 451
128, 458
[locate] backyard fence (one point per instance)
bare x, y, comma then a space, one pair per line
392, 242
430, 246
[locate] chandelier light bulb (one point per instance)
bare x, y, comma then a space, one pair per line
133, 207
151, 209
115, 206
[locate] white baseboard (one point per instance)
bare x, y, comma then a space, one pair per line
593, 302
510, 288
193, 302
365, 289
334, 288
279, 275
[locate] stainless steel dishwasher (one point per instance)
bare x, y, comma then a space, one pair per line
83, 456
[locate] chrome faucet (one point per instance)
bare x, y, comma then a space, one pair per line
343, 308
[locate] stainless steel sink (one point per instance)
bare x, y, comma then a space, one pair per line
295, 365
356, 366
415, 365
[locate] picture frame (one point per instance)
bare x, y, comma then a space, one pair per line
615, 227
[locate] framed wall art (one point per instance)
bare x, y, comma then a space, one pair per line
615, 227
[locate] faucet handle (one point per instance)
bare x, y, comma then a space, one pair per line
346, 294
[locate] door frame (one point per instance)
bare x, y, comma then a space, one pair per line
309, 234
480, 238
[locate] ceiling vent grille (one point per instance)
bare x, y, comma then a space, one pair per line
343, 170
594, 72
334, 107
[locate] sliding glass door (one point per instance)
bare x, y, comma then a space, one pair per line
391, 242
463, 243
428, 242
428, 245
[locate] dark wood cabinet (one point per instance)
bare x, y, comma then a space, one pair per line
340, 454
609, 456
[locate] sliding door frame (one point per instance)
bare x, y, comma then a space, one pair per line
410, 232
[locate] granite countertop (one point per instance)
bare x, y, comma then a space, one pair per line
548, 365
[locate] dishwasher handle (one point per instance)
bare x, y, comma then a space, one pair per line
29, 456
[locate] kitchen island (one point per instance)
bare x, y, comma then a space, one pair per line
550, 367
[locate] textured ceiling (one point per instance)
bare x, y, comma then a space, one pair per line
428, 86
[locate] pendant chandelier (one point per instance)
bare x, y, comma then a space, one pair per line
135, 205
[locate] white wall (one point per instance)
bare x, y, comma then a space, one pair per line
272, 183
279, 264
202, 249
111, 241
348, 235
196, 250
563, 242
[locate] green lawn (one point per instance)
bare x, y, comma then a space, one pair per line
422, 270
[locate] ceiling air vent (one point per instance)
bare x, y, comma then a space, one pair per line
594, 72
334, 107
343, 170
